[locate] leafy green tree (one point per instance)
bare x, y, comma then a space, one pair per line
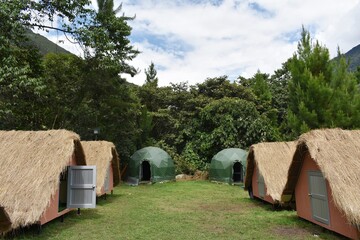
64, 78
217, 88
145, 126
279, 87
229, 122
259, 84
106, 7
21, 83
108, 36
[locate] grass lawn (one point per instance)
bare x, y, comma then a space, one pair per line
180, 210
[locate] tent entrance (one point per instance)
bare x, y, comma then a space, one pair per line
145, 171
237, 172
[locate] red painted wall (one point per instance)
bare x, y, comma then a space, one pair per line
52, 210
255, 188
338, 222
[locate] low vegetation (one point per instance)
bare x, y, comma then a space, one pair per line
180, 210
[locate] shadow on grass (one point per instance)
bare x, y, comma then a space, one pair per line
252, 203
46, 231
289, 225
109, 199
257, 202
312, 228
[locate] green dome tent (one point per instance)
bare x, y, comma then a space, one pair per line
228, 165
150, 164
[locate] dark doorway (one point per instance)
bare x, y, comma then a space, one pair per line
63, 190
145, 171
237, 172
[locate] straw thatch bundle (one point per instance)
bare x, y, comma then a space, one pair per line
30, 165
102, 154
272, 160
337, 153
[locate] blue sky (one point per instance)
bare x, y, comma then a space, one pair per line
191, 40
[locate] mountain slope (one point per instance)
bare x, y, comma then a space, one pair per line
353, 56
43, 44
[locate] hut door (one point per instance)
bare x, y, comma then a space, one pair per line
318, 197
145, 171
261, 184
237, 172
81, 187
107, 180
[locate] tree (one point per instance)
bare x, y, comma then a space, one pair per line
357, 75
151, 78
21, 83
64, 78
220, 87
259, 85
228, 122
148, 92
279, 87
108, 35
321, 94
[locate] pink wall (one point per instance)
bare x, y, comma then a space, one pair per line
255, 188
338, 223
111, 182
52, 210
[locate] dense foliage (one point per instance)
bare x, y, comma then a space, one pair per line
192, 123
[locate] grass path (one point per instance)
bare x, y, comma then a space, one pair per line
180, 210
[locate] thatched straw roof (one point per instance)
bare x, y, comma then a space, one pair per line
102, 154
272, 160
30, 165
337, 153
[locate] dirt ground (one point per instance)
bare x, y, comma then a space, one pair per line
198, 175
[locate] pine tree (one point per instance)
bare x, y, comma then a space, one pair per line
151, 76
321, 93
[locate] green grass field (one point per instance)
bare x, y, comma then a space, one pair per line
180, 210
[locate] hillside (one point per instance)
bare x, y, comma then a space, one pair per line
43, 44
354, 58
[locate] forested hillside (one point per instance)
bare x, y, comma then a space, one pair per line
191, 122
43, 44
353, 56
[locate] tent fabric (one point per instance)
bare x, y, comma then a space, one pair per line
221, 167
161, 165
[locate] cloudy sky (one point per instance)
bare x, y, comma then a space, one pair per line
191, 40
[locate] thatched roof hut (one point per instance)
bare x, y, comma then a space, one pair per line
336, 154
104, 156
272, 161
30, 165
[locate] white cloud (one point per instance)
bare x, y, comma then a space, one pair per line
190, 42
